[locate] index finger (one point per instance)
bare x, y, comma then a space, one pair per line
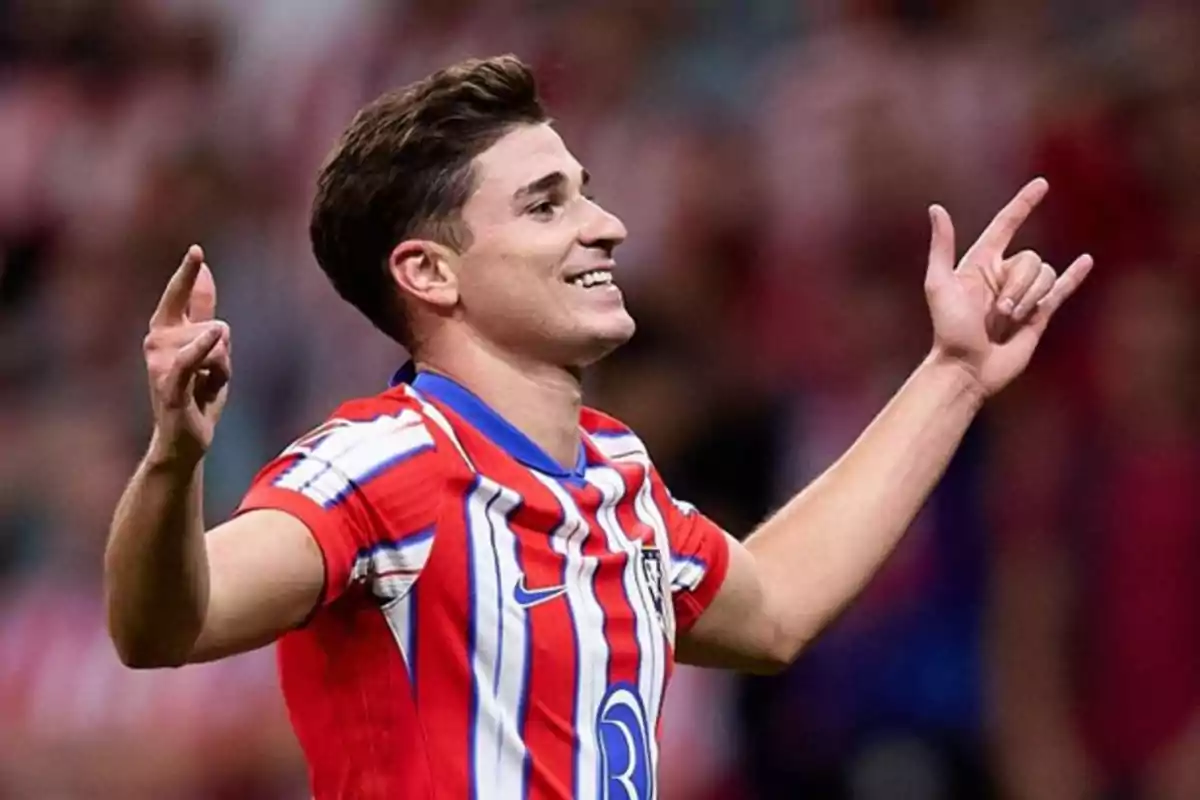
1000, 231
174, 302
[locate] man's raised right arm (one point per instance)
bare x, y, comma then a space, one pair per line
175, 594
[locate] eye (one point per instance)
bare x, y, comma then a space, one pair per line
543, 209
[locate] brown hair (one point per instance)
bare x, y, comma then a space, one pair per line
402, 169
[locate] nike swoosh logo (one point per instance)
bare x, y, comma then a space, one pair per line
527, 598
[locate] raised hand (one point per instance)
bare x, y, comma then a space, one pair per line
989, 312
188, 361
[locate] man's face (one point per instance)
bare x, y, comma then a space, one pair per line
537, 278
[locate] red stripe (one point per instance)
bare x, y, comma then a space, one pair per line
353, 712
443, 669
595, 421
619, 625
633, 526
668, 600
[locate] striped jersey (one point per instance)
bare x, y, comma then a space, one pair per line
492, 624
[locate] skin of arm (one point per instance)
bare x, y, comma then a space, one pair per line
174, 594
805, 564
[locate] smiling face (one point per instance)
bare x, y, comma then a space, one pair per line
536, 278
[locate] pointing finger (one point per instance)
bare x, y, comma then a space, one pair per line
999, 233
174, 302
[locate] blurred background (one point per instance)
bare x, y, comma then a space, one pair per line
1037, 635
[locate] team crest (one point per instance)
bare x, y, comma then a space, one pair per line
652, 571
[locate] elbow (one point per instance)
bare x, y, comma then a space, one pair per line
782, 646
144, 649
774, 661
785, 639
767, 666
147, 659
143, 642
141, 653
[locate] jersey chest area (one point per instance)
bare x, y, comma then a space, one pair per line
566, 622
577, 568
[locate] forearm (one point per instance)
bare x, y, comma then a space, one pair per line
817, 553
156, 570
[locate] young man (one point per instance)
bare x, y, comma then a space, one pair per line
479, 586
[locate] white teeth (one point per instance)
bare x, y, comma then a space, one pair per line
596, 277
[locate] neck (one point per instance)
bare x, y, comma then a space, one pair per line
540, 400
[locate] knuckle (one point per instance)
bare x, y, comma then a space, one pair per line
179, 364
158, 366
163, 387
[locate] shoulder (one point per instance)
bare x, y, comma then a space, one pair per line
367, 435
363, 419
613, 438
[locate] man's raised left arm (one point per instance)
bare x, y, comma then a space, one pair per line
805, 564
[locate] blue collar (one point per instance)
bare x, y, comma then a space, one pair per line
484, 419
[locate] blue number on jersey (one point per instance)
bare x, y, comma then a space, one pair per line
623, 733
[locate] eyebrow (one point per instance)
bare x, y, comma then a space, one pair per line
546, 183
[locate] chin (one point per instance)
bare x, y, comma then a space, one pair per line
601, 340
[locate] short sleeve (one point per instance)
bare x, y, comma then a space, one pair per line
699, 559
369, 491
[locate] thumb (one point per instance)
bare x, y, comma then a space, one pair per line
202, 305
941, 248
188, 360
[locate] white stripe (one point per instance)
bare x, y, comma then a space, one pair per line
406, 557
588, 617
685, 508
651, 664
327, 485
499, 644
648, 512
336, 436
351, 452
439, 419
621, 447
399, 619
686, 574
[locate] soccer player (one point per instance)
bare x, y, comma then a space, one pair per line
479, 586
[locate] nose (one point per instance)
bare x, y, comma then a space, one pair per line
602, 229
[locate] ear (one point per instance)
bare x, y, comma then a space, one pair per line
425, 270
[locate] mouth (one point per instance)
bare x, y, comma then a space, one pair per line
592, 278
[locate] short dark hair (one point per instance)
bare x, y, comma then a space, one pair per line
402, 169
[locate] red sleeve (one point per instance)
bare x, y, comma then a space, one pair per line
369, 490
699, 559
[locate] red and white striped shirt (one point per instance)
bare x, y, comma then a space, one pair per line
493, 625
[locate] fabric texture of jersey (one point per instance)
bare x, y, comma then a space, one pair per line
492, 625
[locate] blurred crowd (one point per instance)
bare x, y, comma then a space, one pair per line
1037, 634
